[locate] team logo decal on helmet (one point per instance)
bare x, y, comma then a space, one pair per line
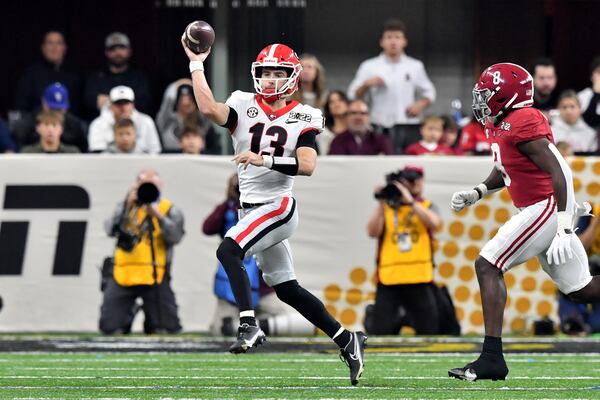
501, 87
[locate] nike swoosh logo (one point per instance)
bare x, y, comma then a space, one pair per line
290, 122
470, 375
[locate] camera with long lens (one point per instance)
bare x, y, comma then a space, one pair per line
390, 192
147, 193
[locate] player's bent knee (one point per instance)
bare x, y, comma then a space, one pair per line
289, 292
229, 248
484, 266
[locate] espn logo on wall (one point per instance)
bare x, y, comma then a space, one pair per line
70, 238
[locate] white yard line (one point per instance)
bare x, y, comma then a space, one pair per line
235, 378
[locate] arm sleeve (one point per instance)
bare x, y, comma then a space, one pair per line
235, 103
424, 84
172, 226
308, 139
232, 120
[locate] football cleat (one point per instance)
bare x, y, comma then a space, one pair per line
248, 336
484, 368
353, 355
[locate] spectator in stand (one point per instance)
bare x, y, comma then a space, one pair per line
192, 140
122, 105
432, 131
545, 97
589, 98
360, 139
51, 68
569, 127
336, 114
311, 87
450, 135
565, 149
124, 139
50, 128
56, 98
116, 72
473, 141
6, 143
396, 86
178, 110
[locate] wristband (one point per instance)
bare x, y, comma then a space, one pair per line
481, 189
268, 161
564, 221
196, 66
285, 165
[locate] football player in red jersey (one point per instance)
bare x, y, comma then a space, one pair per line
541, 185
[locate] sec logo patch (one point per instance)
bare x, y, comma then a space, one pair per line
252, 112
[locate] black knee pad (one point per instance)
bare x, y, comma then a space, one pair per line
229, 248
289, 292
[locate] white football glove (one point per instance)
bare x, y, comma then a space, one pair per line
463, 199
560, 248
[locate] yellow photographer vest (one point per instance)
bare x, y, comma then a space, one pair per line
405, 253
135, 267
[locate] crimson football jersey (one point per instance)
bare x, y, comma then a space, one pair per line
526, 182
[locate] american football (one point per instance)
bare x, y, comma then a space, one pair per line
199, 36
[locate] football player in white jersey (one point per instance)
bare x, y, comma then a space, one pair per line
274, 140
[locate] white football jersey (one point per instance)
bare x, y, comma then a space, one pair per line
266, 132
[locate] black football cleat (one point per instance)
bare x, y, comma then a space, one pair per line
353, 355
248, 336
493, 368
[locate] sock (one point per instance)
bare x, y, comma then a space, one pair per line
492, 345
263, 324
247, 317
342, 337
308, 306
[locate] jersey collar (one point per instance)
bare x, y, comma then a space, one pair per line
273, 115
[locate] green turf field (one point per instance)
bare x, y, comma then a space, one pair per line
287, 375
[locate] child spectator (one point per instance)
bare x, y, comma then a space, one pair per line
125, 138
432, 130
49, 126
450, 135
192, 140
569, 127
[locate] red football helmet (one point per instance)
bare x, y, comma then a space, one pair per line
500, 88
277, 56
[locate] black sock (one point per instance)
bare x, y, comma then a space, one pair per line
263, 323
248, 320
231, 255
492, 345
309, 306
343, 339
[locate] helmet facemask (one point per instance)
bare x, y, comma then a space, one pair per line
290, 83
481, 109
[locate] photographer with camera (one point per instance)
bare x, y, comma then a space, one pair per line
146, 226
404, 223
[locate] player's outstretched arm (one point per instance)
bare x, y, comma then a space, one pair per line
215, 111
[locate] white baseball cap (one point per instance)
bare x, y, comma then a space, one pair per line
121, 93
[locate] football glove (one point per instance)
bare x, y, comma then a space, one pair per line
466, 198
560, 248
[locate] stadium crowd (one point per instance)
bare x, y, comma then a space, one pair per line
383, 110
